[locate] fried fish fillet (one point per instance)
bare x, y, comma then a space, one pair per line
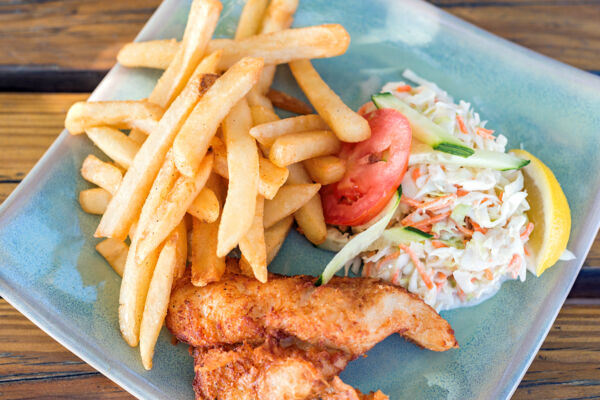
273, 370
349, 314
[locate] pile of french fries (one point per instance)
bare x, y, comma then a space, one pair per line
205, 165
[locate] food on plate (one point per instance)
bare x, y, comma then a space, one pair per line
549, 212
349, 314
463, 222
277, 369
413, 192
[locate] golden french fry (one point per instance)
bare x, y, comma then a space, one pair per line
159, 291
132, 229
152, 54
279, 15
267, 133
271, 178
193, 139
347, 125
251, 18
137, 136
275, 236
252, 245
207, 267
94, 201
117, 114
115, 253
255, 98
201, 24
242, 166
181, 247
288, 200
262, 115
134, 288
115, 144
129, 199
171, 209
101, 173
309, 217
205, 206
326, 169
295, 147
289, 103
281, 47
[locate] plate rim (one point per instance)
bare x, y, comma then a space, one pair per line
133, 383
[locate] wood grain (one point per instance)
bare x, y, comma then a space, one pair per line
68, 45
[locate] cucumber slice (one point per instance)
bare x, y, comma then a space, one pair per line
359, 243
398, 235
423, 154
422, 128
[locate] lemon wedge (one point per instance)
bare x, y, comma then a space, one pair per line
549, 213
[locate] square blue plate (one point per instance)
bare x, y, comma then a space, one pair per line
52, 274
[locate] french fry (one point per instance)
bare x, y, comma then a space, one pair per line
251, 18
129, 199
295, 147
159, 291
171, 209
117, 114
289, 103
152, 54
345, 123
205, 206
288, 200
115, 253
281, 47
115, 144
101, 173
201, 24
309, 217
252, 245
275, 236
137, 136
242, 165
206, 266
267, 132
279, 16
134, 288
261, 114
255, 98
270, 176
326, 169
94, 201
193, 139
181, 247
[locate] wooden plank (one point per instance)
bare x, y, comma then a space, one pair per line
69, 45
565, 367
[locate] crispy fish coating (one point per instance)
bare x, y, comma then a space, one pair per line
349, 314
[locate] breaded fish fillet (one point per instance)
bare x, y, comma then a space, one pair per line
273, 370
350, 314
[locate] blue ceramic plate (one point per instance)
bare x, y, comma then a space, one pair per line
51, 272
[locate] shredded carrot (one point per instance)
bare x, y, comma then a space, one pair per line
438, 203
368, 268
442, 276
418, 265
515, 265
408, 220
404, 88
525, 250
437, 244
501, 195
527, 232
478, 227
461, 295
485, 133
488, 274
462, 229
409, 201
461, 124
416, 174
431, 221
395, 277
461, 192
387, 258
473, 280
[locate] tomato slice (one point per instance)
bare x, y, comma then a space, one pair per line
374, 170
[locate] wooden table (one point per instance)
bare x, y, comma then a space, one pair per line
67, 46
